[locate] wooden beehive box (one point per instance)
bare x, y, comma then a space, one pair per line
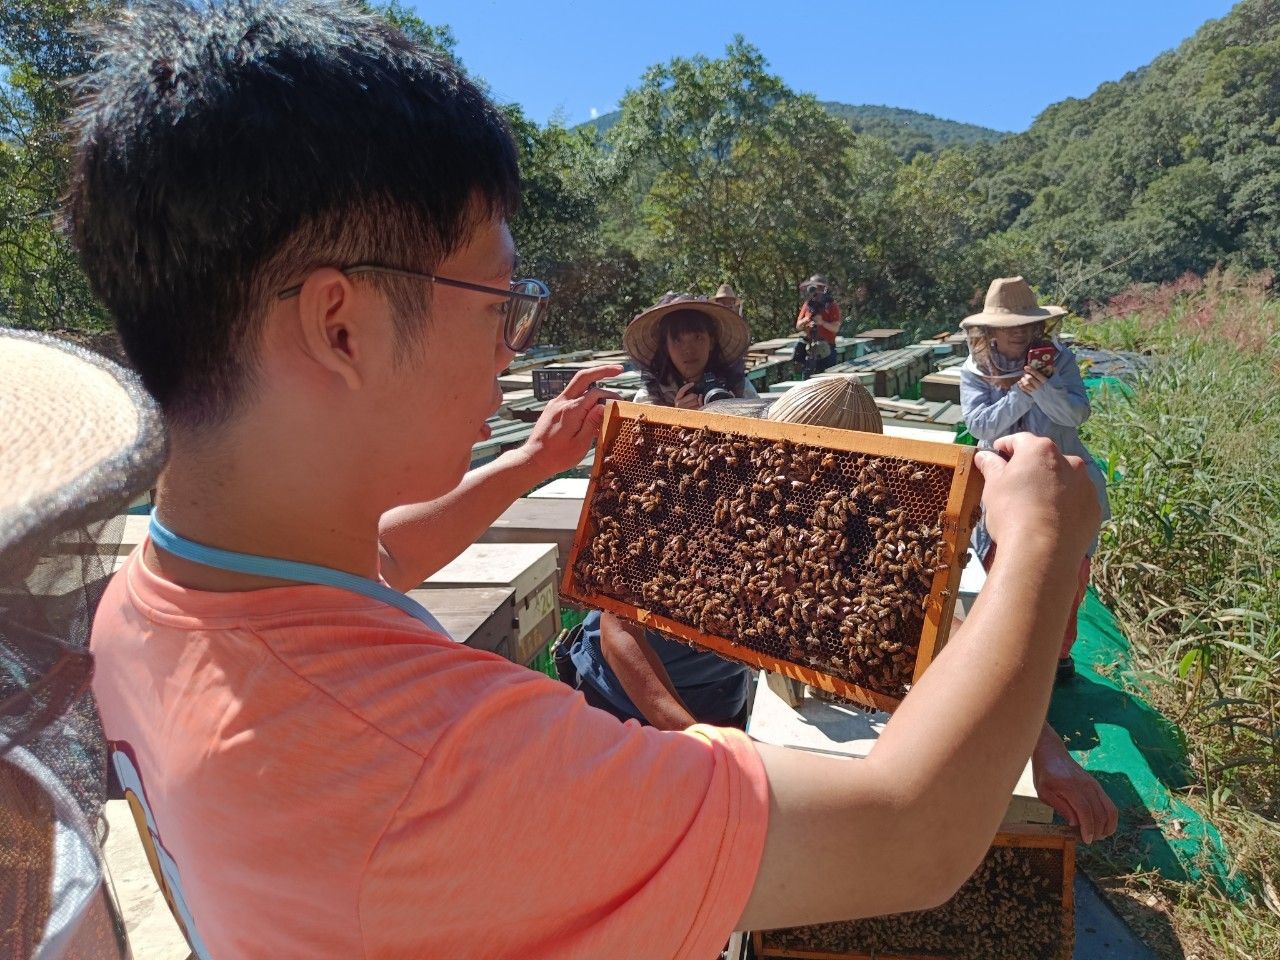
538, 520
563, 488
528, 569
837, 570
959, 343
850, 348
883, 338
942, 386
897, 371
483, 618
929, 414
1018, 905
505, 435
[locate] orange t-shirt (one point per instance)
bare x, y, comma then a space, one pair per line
323, 776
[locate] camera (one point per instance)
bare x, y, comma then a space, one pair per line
817, 300
711, 388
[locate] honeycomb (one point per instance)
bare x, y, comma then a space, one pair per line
1012, 908
820, 557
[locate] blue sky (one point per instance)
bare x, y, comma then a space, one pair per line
993, 63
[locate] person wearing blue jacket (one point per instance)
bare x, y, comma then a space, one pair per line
1004, 391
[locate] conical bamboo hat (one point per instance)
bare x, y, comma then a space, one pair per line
831, 401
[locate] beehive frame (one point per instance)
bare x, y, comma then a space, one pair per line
956, 516
1024, 837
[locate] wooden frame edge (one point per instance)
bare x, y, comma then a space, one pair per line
965, 492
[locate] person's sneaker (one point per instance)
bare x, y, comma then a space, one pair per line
1066, 670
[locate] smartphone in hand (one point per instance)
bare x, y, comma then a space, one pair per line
1041, 357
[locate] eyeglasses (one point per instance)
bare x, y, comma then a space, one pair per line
523, 313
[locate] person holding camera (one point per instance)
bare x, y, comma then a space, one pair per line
819, 321
689, 351
1019, 379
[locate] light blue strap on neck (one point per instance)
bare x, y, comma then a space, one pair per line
257, 566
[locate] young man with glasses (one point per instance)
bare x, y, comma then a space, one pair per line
299, 221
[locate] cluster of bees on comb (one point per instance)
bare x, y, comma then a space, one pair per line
1010, 909
821, 557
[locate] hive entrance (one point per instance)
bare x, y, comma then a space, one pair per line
787, 549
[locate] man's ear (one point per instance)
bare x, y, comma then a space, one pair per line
332, 328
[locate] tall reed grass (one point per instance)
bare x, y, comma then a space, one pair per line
1190, 563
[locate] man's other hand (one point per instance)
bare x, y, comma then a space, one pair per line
568, 426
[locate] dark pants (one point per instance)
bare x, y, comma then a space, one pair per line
568, 673
802, 352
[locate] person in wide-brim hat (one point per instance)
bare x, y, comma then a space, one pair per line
817, 280
1011, 303
1003, 391
686, 346
1011, 321
726, 296
642, 341
80, 439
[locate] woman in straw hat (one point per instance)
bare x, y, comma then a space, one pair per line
688, 348
1018, 378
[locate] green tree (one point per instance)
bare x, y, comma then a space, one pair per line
734, 178
41, 49
597, 285
44, 46
928, 266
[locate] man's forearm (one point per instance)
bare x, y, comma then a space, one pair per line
920, 811
420, 538
642, 674
963, 736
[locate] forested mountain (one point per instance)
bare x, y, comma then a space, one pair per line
1174, 167
714, 170
908, 132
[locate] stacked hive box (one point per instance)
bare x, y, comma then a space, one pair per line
538, 520
483, 618
882, 338
529, 571
1018, 905
895, 371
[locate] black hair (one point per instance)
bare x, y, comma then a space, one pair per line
677, 323
223, 150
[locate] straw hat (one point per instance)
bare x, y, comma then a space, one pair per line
81, 439
837, 401
726, 292
1011, 303
817, 280
640, 339
830, 401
